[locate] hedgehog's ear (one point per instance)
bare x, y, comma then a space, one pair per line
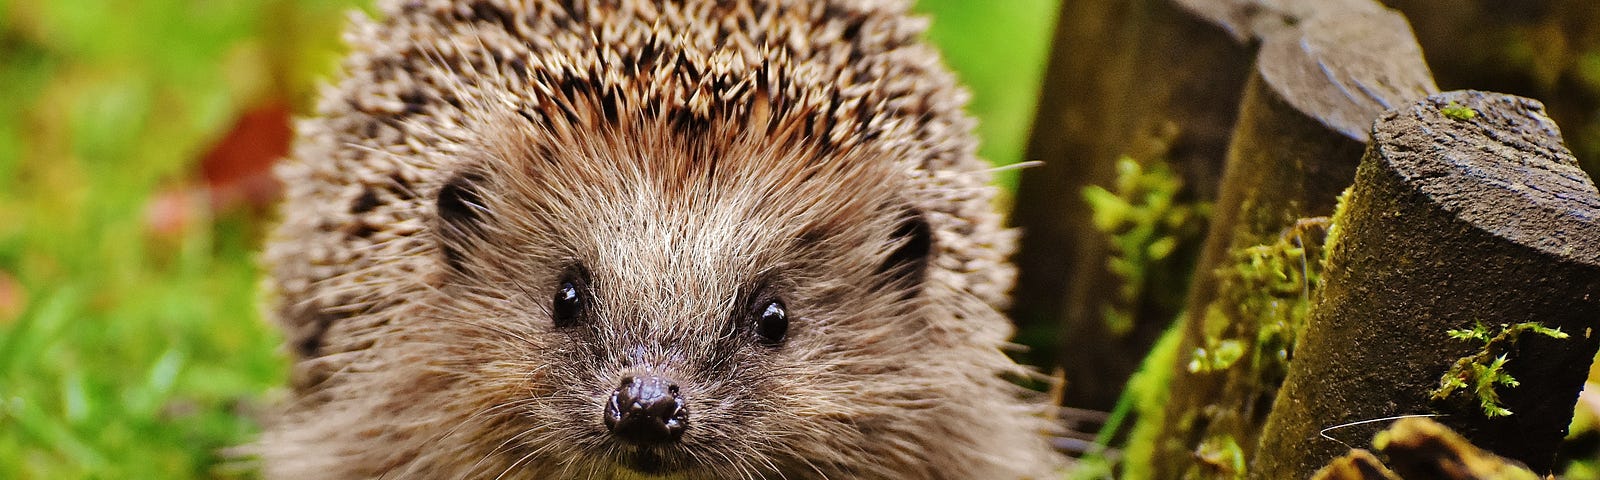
906, 267
461, 214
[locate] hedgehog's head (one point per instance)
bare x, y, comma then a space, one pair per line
675, 301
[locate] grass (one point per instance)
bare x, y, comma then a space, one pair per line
126, 352
133, 352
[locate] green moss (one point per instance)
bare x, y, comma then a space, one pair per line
1219, 456
1143, 222
1458, 111
1247, 334
1216, 353
1481, 374
1340, 217
1266, 295
1219, 356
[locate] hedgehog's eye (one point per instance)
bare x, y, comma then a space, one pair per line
567, 304
772, 322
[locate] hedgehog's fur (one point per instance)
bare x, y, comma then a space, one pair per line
685, 156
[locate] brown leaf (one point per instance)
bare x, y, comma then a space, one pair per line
238, 168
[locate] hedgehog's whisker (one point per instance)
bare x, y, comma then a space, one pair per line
1014, 166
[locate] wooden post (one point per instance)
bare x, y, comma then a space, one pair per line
1469, 237
1319, 82
1126, 77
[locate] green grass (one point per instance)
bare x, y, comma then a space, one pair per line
137, 354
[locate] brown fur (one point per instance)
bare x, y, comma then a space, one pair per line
686, 155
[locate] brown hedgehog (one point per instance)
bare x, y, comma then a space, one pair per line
645, 239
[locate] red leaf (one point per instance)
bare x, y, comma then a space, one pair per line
238, 168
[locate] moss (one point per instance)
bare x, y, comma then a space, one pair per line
1339, 217
1248, 335
1216, 353
1268, 288
1219, 456
1219, 356
1482, 373
1144, 222
1459, 112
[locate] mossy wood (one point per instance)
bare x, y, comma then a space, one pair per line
1469, 221
1319, 80
1128, 77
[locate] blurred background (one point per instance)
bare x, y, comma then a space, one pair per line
135, 141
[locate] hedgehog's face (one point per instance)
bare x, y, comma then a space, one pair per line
649, 327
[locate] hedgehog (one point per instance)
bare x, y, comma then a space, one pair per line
619, 239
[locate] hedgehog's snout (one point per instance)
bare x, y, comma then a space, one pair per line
647, 410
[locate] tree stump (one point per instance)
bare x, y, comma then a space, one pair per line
1469, 237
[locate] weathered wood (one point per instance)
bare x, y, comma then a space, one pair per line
1541, 49
1251, 20
1301, 131
1469, 232
1127, 77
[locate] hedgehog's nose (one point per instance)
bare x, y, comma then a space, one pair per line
646, 410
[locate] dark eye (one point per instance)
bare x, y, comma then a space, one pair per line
772, 323
567, 304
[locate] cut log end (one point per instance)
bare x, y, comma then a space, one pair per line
1344, 68
1497, 162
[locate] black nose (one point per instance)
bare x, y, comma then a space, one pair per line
646, 410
